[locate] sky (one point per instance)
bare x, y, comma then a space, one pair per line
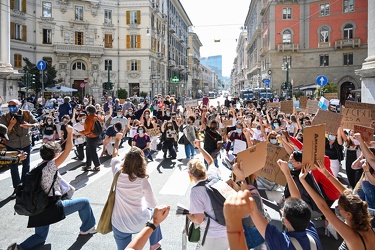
214, 20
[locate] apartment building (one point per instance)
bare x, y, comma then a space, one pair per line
194, 81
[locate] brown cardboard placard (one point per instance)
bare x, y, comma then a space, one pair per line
351, 117
367, 133
330, 96
271, 170
273, 104
330, 119
312, 106
191, 103
361, 105
227, 123
303, 102
313, 144
287, 107
153, 132
253, 158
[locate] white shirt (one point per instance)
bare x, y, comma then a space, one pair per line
130, 212
200, 203
123, 120
292, 126
78, 127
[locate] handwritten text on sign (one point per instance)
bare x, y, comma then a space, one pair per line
366, 132
351, 117
191, 103
271, 170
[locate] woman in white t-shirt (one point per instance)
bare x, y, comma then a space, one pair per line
293, 126
200, 204
134, 197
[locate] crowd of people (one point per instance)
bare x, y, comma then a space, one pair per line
161, 124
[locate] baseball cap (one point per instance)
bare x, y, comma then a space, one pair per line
4, 131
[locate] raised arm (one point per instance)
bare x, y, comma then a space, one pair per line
68, 147
338, 185
294, 192
206, 155
369, 156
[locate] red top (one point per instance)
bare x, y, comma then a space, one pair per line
328, 188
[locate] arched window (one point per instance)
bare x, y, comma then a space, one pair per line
348, 31
324, 34
79, 66
287, 36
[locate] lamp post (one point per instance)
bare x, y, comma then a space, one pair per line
288, 86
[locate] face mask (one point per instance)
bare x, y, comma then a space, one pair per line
331, 137
49, 122
85, 103
264, 122
13, 109
275, 125
170, 127
188, 122
273, 141
130, 112
147, 115
119, 116
140, 131
83, 120
290, 165
280, 118
238, 130
213, 128
168, 113
338, 109
356, 142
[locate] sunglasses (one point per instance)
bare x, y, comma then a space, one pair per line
12, 106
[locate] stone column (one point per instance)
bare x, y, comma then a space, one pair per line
367, 72
5, 36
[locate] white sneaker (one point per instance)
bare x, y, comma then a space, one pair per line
332, 231
90, 231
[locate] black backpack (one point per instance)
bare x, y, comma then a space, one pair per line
98, 130
30, 197
217, 200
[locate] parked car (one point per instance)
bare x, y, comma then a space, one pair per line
334, 105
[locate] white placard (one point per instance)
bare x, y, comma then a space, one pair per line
238, 146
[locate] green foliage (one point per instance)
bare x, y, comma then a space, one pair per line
143, 94
330, 88
122, 93
298, 93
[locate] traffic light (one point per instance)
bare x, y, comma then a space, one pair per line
32, 80
108, 85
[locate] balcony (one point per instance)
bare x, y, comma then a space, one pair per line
324, 45
171, 29
348, 43
78, 49
287, 46
155, 7
263, 51
172, 63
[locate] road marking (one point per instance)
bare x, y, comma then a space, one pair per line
177, 183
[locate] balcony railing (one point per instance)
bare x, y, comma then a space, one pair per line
287, 46
348, 43
79, 49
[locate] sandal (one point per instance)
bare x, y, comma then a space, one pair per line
96, 168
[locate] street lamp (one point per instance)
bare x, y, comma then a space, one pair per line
287, 85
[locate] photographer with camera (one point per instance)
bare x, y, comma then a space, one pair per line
19, 122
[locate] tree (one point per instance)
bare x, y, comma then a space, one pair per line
143, 94
122, 93
330, 88
32, 69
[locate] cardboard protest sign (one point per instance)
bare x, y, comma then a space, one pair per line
227, 123
190, 103
153, 132
312, 106
287, 107
330, 119
313, 144
303, 102
367, 133
273, 104
253, 158
330, 96
271, 170
351, 117
361, 105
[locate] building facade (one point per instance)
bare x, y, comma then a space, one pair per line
215, 63
194, 81
307, 39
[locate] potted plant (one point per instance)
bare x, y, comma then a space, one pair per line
122, 94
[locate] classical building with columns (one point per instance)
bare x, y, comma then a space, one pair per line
83, 39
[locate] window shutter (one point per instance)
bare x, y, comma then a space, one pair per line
138, 17
128, 41
138, 41
12, 31
108, 41
11, 4
24, 6
138, 65
76, 38
24, 33
127, 17
128, 64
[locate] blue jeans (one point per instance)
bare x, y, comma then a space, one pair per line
25, 167
189, 150
123, 239
368, 194
215, 160
82, 205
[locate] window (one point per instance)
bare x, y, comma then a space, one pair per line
324, 60
108, 16
48, 60
324, 9
287, 13
324, 35
348, 59
348, 31
133, 17
17, 60
79, 38
18, 31
287, 36
108, 41
47, 36
134, 65
46, 9
133, 41
79, 66
19, 5
107, 64
79, 13
348, 6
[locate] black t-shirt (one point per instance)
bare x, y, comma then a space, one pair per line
210, 140
49, 129
333, 152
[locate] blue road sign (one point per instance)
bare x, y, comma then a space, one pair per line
321, 80
41, 65
266, 82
